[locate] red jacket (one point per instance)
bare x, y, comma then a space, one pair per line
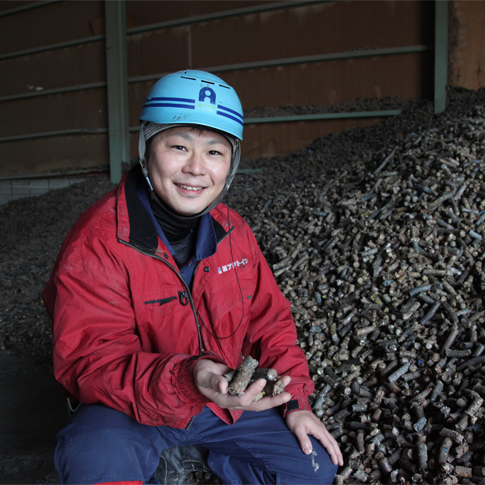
125, 327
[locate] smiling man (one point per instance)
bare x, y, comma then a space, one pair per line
189, 167
158, 291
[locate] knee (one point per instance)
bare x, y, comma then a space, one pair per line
320, 468
325, 474
88, 446
102, 445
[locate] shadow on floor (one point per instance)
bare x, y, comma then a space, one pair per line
32, 411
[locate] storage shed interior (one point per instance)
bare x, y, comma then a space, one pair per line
363, 179
318, 54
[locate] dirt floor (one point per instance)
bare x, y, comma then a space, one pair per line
31, 412
33, 229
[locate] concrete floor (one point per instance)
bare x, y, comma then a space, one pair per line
32, 411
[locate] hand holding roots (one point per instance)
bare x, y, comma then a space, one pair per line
247, 373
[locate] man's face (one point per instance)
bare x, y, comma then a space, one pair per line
188, 167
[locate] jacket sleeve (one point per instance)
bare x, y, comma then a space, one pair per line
98, 356
272, 337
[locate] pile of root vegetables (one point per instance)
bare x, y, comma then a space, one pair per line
382, 260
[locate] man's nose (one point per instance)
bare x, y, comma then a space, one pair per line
195, 164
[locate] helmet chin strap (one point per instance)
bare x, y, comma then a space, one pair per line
235, 157
141, 152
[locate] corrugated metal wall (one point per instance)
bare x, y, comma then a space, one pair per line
32, 121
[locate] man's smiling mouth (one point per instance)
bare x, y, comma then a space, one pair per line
188, 187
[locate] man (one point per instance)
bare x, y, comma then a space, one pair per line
157, 292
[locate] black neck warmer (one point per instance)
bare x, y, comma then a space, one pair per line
176, 227
181, 231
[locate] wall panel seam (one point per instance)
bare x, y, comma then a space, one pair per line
169, 24
243, 66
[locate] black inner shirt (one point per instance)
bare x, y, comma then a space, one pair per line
180, 231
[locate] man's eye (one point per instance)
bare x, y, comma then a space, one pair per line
179, 147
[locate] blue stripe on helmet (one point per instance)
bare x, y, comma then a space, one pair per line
230, 111
230, 117
168, 105
182, 100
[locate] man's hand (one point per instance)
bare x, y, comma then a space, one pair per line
210, 381
304, 423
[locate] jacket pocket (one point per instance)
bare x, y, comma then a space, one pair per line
155, 302
161, 301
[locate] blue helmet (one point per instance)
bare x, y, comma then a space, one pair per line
193, 98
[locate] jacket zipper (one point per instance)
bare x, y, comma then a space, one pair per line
190, 422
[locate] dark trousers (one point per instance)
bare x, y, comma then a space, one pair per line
103, 445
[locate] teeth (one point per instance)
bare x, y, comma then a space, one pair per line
189, 188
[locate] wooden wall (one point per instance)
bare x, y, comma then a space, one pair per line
467, 44
53, 69
321, 28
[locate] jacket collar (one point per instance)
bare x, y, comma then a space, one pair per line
134, 225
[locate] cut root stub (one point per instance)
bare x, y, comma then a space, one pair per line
243, 375
272, 388
247, 373
264, 373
